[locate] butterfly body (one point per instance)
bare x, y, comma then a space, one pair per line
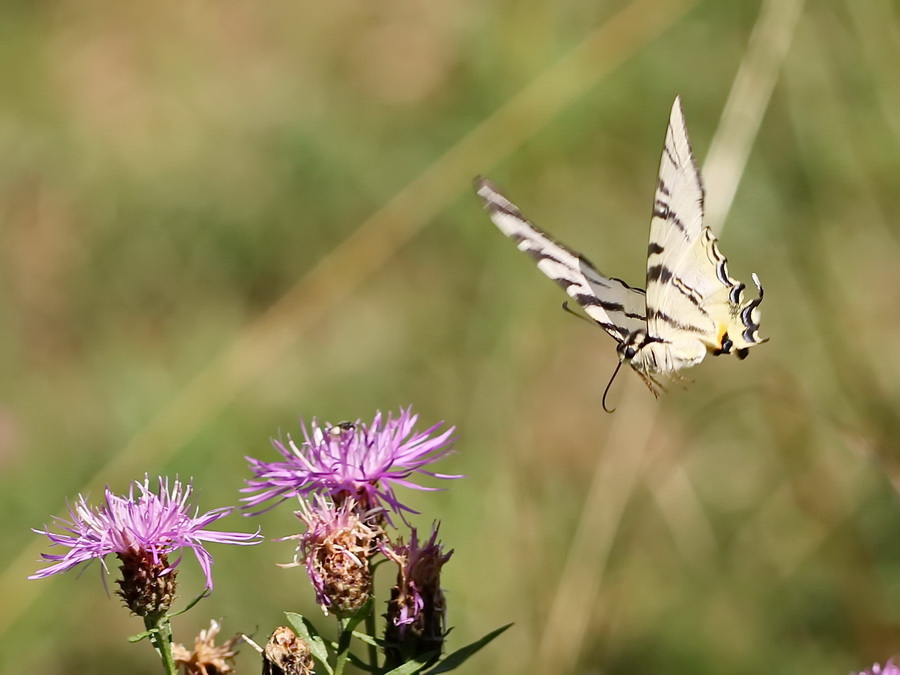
691, 306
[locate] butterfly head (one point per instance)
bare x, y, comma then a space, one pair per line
633, 343
638, 350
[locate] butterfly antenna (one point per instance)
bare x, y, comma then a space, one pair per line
571, 311
606, 391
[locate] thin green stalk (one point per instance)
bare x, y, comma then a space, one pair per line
343, 650
373, 650
160, 631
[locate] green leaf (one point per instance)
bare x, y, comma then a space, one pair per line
457, 658
368, 639
204, 594
308, 633
137, 637
415, 666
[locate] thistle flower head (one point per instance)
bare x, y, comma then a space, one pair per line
416, 611
350, 461
888, 669
336, 548
206, 658
142, 528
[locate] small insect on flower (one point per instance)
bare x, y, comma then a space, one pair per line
142, 529
339, 429
350, 460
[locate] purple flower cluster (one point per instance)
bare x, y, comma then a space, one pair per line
345, 476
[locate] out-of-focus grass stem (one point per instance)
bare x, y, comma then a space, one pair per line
746, 105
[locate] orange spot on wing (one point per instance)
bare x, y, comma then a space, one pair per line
723, 329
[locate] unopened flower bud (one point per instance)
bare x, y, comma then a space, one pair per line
336, 549
417, 610
147, 587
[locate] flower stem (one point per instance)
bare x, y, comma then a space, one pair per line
161, 638
343, 650
373, 650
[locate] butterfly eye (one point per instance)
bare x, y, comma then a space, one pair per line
629, 352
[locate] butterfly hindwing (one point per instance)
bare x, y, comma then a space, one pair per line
690, 295
617, 307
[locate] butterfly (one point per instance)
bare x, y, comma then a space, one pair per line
691, 306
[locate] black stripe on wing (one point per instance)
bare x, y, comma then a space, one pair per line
750, 316
663, 275
749, 313
655, 314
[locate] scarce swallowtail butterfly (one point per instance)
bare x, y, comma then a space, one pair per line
691, 306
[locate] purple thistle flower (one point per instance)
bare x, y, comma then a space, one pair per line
888, 669
148, 524
356, 461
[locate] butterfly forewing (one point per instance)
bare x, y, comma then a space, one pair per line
613, 304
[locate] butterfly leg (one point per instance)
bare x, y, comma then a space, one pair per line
652, 383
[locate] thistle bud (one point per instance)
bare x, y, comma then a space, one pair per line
417, 610
146, 586
336, 549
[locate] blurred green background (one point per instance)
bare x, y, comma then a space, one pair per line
220, 216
